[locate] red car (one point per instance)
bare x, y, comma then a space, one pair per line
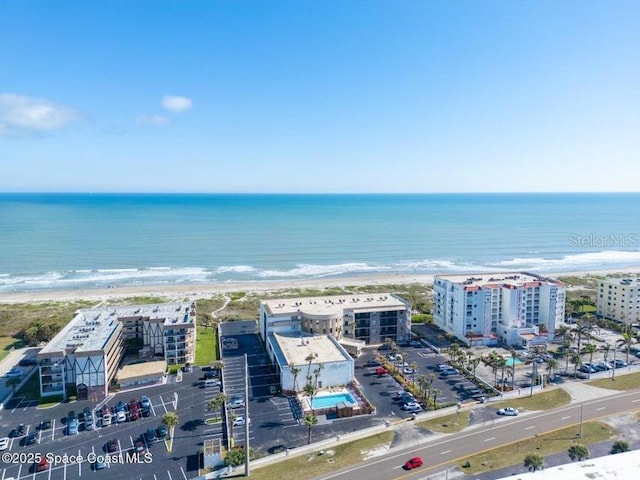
42, 465
415, 462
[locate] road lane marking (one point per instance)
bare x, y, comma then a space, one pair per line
634, 401
601, 408
489, 439
446, 451
529, 428
566, 418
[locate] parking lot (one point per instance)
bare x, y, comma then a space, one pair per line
82, 449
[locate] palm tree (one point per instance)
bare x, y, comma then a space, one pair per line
435, 393
561, 333
552, 365
170, 419
309, 359
217, 403
584, 327
454, 351
590, 348
534, 462
502, 364
626, 341
295, 371
514, 356
422, 384
473, 363
310, 420
414, 369
576, 360
606, 348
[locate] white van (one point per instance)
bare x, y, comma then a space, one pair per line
106, 420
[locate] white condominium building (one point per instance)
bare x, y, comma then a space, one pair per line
516, 309
619, 299
371, 318
86, 353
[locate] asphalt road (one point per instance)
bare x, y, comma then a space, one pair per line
442, 453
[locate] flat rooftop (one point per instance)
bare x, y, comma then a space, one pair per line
296, 349
518, 279
621, 466
334, 304
142, 369
91, 328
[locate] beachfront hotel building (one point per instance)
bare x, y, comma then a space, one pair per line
86, 353
304, 358
367, 318
619, 300
515, 309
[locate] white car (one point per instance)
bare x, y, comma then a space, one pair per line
408, 370
239, 421
412, 407
508, 411
236, 403
121, 417
4, 443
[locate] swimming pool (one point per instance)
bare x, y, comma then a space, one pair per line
510, 361
331, 400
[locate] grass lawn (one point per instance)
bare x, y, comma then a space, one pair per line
14, 317
449, 424
309, 466
630, 381
544, 445
541, 401
5, 345
206, 345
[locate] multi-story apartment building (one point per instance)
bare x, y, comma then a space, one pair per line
371, 318
517, 309
619, 299
86, 353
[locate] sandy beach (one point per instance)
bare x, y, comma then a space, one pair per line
195, 291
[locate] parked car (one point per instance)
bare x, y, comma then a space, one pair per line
144, 402
112, 445
210, 375
412, 407
620, 363
72, 415
121, 417
19, 431
236, 402
43, 464
444, 366
150, 435
380, 371
508, 411
72, 427
138, 447
415, 462
14, 373
239, 421
449, 372
121, 406
30, 439
4, 443
99, 464
89, 423
106, 420
408, 371
145, 412
45, 424
28, 362
161, 431
415, 343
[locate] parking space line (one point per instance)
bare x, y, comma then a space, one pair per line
154, 477
64, 471
120, 452
163, 405
4, 470
183, 474
49, 476
19, 470
169, 473
152, 409
53, 429
79, 464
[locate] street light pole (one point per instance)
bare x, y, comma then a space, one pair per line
246, 415
581, 411
613, 367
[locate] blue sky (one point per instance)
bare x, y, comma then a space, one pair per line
319, 96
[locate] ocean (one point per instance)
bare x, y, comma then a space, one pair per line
72, 241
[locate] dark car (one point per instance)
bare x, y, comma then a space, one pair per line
112, 445
415, 462
28, 362
138, 447
45, 424
19, 431
72, 415
86, 413
161, 431
121, 406
209, 375
150, 435
30, 439
99, 464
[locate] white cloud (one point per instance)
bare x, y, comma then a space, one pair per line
21, 115
176, 104
153, 120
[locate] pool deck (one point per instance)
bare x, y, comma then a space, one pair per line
305, 400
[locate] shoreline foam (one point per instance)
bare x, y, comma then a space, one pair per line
195, 291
